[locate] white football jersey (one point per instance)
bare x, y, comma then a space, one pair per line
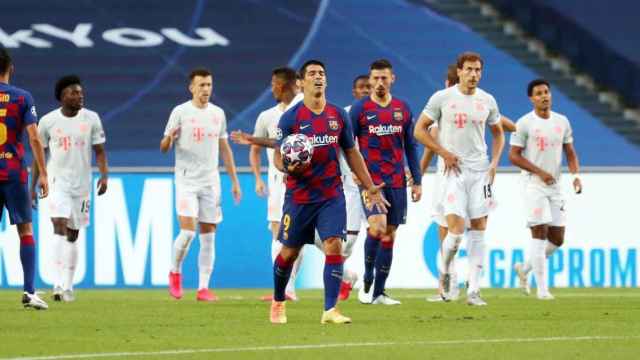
462, 120
70, 141
267, 127
543, 140
296, 99
198, 143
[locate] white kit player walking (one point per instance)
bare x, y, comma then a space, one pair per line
536, 147
199, 130
462, 112
70, 133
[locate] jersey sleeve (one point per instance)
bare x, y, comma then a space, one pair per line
174, 121
433, 108
43, 132
285, 126
97, 132
223, 125
261, 130
494, 112
411, 148
354, 116
568, 134
29, 115
519, 137
346, 135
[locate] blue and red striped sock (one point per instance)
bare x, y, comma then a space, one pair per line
281, 274
371, 245
333, 266
28, 260
383, 265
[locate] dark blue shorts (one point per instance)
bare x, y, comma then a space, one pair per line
397, 212
17, 199
300, 221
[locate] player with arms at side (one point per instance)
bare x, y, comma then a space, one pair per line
199, 130
314, 200
284, 88
536, 147
383, 126
70, 133
17, 116
462, 112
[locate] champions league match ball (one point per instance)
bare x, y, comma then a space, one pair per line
296, 148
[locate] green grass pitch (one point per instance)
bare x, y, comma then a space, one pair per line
146, 324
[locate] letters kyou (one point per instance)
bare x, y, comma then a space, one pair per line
46, 35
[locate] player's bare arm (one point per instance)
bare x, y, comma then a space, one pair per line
227, 157
167, 142
516, 158
358, 166
497, 145
421, 133
254, 162
242, 138
427, 155
574, 166
507, 124
38, 156
101, 160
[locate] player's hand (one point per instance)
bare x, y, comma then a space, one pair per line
408, 177
236, 192
240, 137
296, 168
44, 186
102, 185
377, 199
491, 173
451, 164
577, 185
261, 188
175, 134
416, 192
547, 178
34, 198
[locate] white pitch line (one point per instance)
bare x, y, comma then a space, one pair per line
326, 346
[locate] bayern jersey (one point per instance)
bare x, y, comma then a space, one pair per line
17, 111
267, 127
461, 121
69, 140
385, 135
329, 131
198, 142
543, 140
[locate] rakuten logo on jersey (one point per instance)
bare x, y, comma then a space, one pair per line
381, 130
37, 36
324, 140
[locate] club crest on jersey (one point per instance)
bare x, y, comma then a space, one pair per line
397, 115
333, 125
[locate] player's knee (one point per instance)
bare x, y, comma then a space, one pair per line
478, 224
185, 237
539, 231
59, 226
24, 229
333, 246
72, 235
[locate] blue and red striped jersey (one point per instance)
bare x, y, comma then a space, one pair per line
17, 111
385, 135
329, 131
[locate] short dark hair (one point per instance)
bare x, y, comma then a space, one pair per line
359, 77
199, 72
5, 60
303, 68
65, 82
380, 64
468, 56
452, 74
286, 74
534, 83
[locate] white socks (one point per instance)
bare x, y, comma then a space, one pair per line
538, 262
206, 259
70, 253
475, 250
450, 247
549, 249
58, 259
180, 249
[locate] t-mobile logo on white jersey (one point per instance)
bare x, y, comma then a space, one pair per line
324, 140
381, 130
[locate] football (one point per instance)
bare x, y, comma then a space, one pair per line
296, 148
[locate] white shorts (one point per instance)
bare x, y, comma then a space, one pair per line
468, 195
544, 204
355, 218
76, 209
277, 189
201, 202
